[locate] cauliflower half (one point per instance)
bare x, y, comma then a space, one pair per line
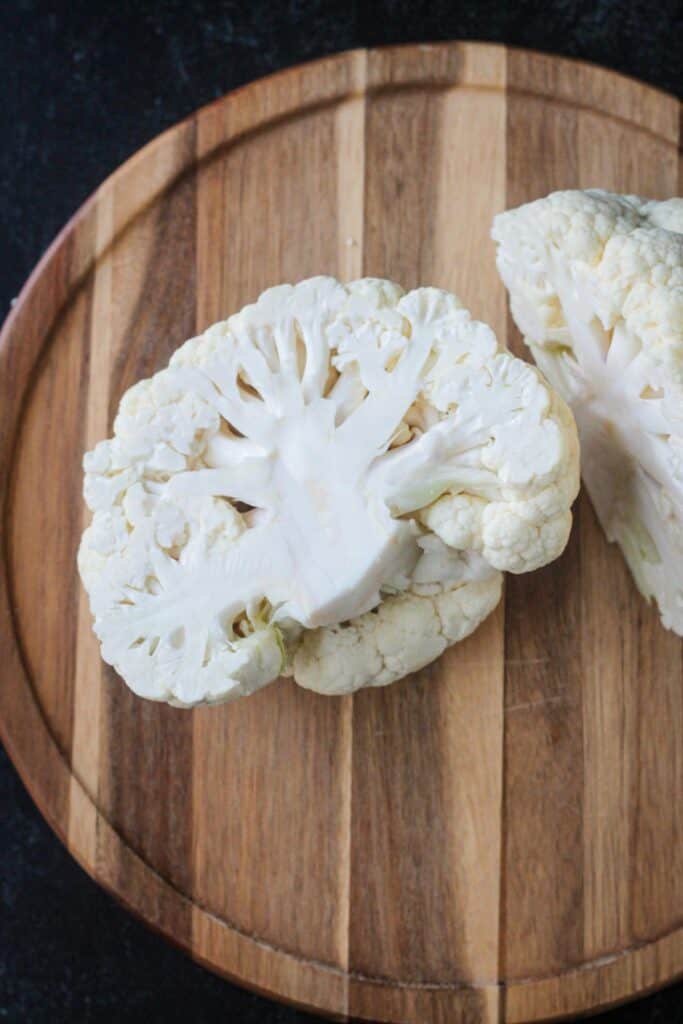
596, 287
328, 484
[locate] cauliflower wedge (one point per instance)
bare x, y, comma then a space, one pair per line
328, 484
596, 287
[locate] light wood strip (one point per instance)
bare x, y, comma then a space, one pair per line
609, 651
351, 175
543, 677
274, 822
472, 138
471, 712
470, 190
88, 675
351, 130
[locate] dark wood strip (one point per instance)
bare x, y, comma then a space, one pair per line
400, 214
542, 896
154, 280
464, 1005
145, 785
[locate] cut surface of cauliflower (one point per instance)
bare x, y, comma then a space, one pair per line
596, 286
327, 484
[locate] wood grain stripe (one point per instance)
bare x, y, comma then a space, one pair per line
88, 675
351, 144
452, 1005
543, 860
351, 174
471, 152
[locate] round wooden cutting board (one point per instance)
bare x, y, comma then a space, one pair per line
498, 838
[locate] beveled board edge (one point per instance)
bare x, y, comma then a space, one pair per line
27, 331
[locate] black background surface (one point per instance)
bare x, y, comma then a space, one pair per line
85, 84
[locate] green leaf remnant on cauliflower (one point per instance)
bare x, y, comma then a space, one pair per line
327, 484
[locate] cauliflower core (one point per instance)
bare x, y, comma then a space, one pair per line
596, 286
327, 484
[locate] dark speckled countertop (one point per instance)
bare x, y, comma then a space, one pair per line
81, 92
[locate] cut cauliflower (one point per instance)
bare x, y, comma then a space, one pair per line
327, 484
596, 287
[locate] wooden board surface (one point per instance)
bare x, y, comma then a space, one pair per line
497, 839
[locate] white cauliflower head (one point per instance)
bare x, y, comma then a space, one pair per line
596, 286
326, 484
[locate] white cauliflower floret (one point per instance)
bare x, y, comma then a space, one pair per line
404, 634
596, 286
330, 484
